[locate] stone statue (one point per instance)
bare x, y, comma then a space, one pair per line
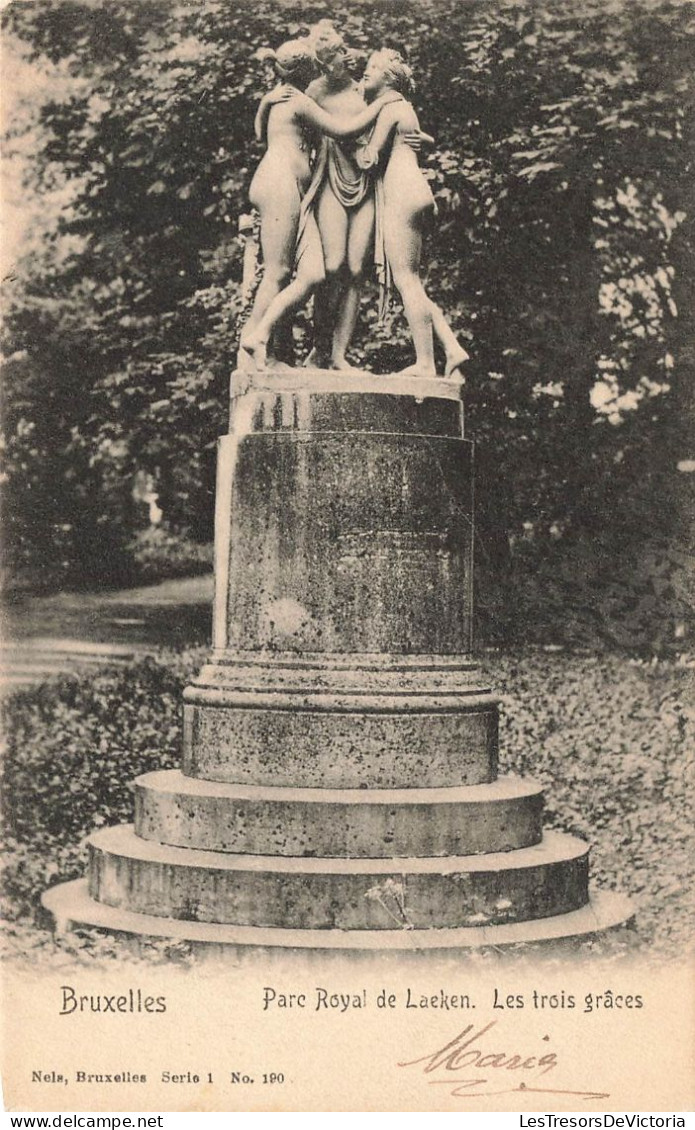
366, 196
292, 125
344, 207
339, 780
404, 203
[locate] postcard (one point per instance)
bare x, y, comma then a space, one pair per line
347, 636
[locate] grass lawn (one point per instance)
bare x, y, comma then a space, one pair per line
610, 739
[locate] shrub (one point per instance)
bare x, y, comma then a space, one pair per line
158, 553
74, 747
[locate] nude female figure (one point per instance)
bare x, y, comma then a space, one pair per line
408, 204
289, 234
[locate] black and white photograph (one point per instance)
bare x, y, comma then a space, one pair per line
347, 528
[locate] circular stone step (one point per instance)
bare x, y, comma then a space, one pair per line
348, 894
346, 823
71, 907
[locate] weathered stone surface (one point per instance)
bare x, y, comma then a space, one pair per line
71, 906
340, 749
345, 542
178, 810
349, 721
328, 400
348, 894
330, 405
342, 621
344, 516
408, 678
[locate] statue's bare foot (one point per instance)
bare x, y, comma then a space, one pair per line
255, 347
454, 362
418, 371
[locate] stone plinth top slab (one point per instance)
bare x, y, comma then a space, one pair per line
344, 381
332, 400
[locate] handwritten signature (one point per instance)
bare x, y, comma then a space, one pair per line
460, 1055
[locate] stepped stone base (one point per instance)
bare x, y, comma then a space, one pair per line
339, 785
71, 907
347, 894
346, 823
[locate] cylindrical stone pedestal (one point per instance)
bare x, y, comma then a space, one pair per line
342, 618
339, 778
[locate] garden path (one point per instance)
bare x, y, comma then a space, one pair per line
48, 636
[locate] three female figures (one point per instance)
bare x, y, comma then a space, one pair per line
324, 219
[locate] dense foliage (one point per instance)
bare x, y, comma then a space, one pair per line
561, 250
75, 746
610, 738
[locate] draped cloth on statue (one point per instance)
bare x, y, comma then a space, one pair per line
381, 263
350, 187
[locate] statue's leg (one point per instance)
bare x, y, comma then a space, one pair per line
279, 212
403, 237
310, 272
455, 353
360, 245
333, 228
